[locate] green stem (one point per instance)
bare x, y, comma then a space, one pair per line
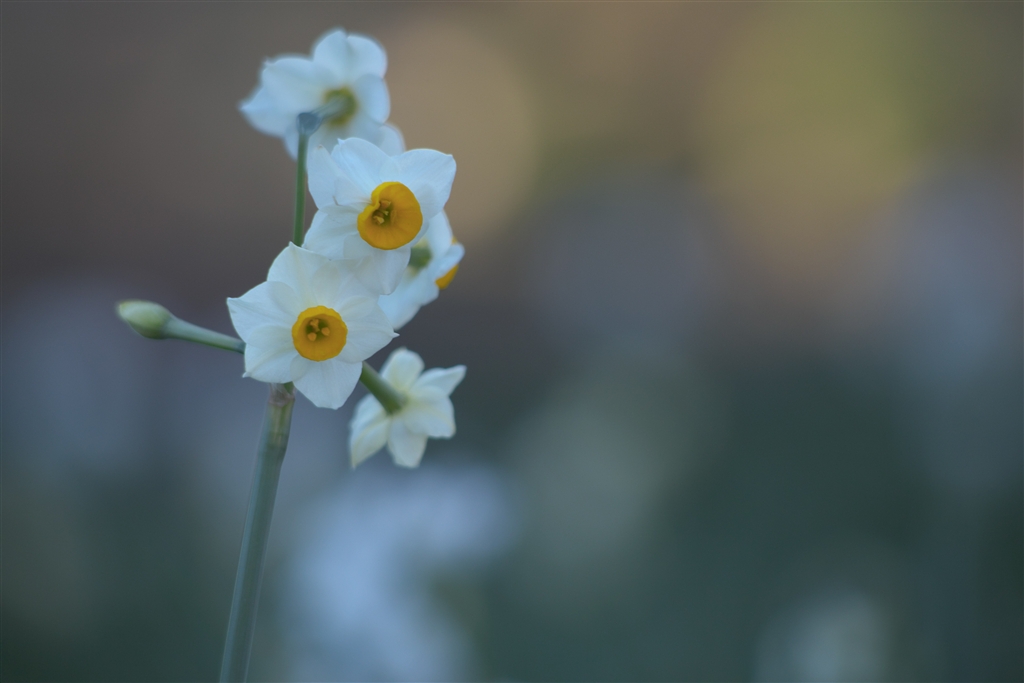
300, 186
273, 442
381, 390
179, 329
308, 123
156, 322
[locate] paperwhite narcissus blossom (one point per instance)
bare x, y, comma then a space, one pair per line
423, 281
312, 323
427, 411
373, 207
349, 68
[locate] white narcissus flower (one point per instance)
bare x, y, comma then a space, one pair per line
434, 263
373, 207
312, 323
347, 68
426, 412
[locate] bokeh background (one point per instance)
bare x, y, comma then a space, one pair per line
741, 308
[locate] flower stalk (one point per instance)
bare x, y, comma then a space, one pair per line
242, 621
381, 390
156, 322
308, 123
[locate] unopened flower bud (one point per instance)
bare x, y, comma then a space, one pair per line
145, 317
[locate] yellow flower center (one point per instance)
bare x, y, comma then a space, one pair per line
447, 278
319, 333
346, 102
392, 218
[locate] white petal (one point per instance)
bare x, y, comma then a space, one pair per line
295, 84
332, 52
368, 57
291, 140
388, 267
361, 125
360, 161
402, 368
412, 293
295, 266
406, 448
263, 113
328, 232
390, 140
433, 418
301, 366
322, 174
349, 288
373, 98
271, 337
368, 430
327, 281
269, 357
355, 308
344, 191
366, 337
268, 303
367, 410
450, 258
443, 379
355, 249
439, 234
429, 174
329, 383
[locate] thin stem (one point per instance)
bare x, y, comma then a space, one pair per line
153, 321
273, 442
300, 187
156, 322
381, 390
308, 123
179, 329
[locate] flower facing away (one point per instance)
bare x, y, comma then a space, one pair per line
345, 69
435, 260
312, 323
374, 207
426, 412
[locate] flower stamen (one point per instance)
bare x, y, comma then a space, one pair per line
392, 219
311, 333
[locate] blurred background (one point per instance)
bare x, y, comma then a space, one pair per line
741, 310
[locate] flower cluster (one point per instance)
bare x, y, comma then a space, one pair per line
379, 247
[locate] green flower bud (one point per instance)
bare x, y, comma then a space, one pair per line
145, 317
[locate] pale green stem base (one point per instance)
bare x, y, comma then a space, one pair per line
273, 442
381, 390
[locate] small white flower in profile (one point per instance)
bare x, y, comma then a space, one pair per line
312, 323
346, 68
435, 260
426, 412
373, 207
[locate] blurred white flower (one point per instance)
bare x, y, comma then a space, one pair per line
427, 411
435, 260
348, 68
312, 323
365, 559
373, 207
